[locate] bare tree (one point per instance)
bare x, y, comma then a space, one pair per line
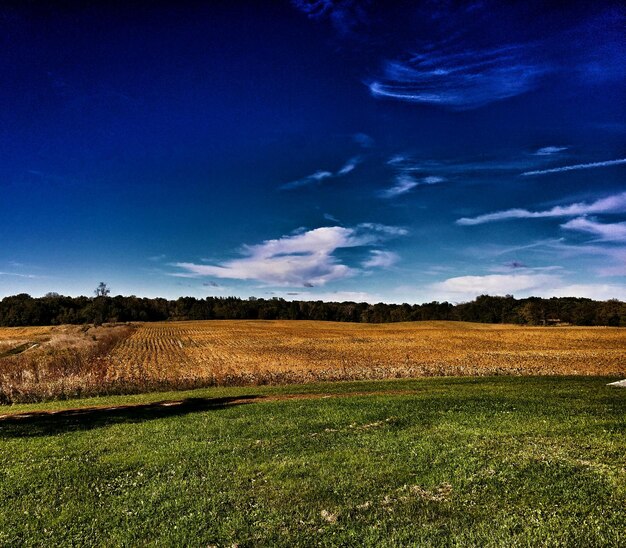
102, 290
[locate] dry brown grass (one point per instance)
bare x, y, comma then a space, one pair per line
55, 362
71, 360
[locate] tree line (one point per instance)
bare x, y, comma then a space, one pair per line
54, 309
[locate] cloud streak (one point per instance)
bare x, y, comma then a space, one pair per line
611, 204
405, 183
609, 232
459, 79
524, 284
549, 151
381, 259
17, 275
495, 284
505, 165
319, 176
300, 260
406, 178
591, 165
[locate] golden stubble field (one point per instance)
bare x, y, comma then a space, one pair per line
233, 352
63, 361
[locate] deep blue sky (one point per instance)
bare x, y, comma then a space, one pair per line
328, 149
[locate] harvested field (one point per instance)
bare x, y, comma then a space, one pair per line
68, 361
258, 352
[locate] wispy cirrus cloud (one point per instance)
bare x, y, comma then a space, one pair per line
384, 230
468, 166
610, 204
574, 167
345, 15
528, 164
349, 166
19, 275
549, 151
603, 257
305, 259
321, 175
409, 174
488, 250
460, 79
406, 183
519, 267
308, 180
381, 259
613, 258
609, 232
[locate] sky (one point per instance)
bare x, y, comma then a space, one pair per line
334, 150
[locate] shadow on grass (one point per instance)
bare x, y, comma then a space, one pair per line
46, 423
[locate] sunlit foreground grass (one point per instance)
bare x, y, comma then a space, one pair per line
459, 461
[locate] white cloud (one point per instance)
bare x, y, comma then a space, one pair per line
319, 176
598, 292
308, 180
18, 275
576, 166
495, 284
381, 259
349, 166
549, 151
397, 159
615, 232
433, 180
384, 229
303, 259
611, 204
464, 288
406, 183
336, 296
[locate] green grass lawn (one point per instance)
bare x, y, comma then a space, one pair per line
457, 461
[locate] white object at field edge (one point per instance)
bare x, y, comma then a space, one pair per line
618, 384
